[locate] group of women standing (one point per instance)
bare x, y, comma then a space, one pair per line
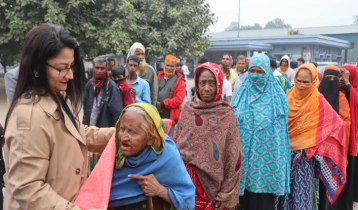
296, 148
268, 150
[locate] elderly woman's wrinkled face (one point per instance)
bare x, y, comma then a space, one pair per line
303, 79
207, 86
132, 137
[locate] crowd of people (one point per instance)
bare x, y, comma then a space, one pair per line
255, 135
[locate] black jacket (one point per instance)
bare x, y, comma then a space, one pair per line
110, 108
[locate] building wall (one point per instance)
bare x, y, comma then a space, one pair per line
318, 53
353, 54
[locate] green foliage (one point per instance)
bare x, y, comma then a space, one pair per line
277, 23
104, 26
256, 26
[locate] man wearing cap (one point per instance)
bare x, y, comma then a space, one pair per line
145, 71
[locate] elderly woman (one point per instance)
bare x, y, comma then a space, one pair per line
261, 111
317, 144
209, 142
46, 145
140, 169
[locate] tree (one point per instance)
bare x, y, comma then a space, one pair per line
105, 26
277, 23
234, 26
256, 26
355, 17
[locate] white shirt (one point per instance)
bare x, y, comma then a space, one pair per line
227, 89
276, 73
185, 71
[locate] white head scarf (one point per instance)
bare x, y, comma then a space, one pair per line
135, 46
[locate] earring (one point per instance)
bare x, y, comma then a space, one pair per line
36, 74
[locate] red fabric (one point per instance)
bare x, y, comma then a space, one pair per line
98, 81
176, 96
353, 77
94, 193
219, 75
168, 125
126, 95
353, 103
202, 201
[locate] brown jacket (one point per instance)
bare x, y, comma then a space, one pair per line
45, 156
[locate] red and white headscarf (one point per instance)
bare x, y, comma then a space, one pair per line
219, 76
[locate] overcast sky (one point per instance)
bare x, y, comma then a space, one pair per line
298, 13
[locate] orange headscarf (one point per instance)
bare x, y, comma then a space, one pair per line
314, 125
304, 113
169, 58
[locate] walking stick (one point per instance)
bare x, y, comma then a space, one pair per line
150, 203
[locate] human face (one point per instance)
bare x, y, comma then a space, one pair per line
299, 63
303, 77
227, 60
169, 67
140, 54
118, 77
256, 70
207, 86
100, 69
284, 62
240, 65
332, 77
341, 81
65, 59
132, 137
182, 62
178, 68
132, 67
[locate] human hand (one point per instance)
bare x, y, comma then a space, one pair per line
158, 106
345, 76
150, 185
133, 92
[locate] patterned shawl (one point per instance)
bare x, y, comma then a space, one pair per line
314, 125
284, 83
261, 111
209, 141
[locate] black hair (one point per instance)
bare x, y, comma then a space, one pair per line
41, 44
226, 53
198, 75
315, 64
293, 64
203, 60
223, 64
301, 60
179, 64
118, 70
133, 58
273, 63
